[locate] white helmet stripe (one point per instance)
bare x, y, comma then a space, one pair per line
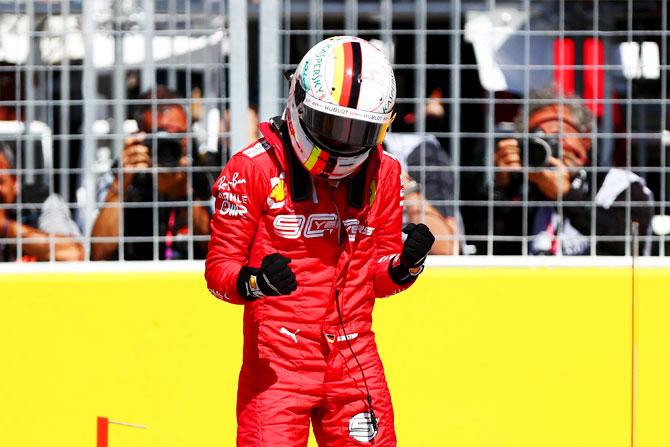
346, 112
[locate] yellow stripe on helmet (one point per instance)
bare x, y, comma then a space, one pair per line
385, 128
313, 157
338, 79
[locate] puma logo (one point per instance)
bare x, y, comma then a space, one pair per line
293, 335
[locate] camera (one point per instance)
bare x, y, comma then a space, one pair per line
540, 147
169, 149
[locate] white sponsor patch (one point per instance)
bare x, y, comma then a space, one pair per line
293, 335
233, 197
234, 205
255, 150
292, 226
227, 184
346, 112
354, 227
288, 226
361, 427
318, 224
219, 295
347, 337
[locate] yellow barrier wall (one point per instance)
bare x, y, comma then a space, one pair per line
475, 357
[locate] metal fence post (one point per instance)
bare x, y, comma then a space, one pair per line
268, 54
239, 97
88, 90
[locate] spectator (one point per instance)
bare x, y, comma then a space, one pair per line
427, 203
40, 230
172, 184
562, 177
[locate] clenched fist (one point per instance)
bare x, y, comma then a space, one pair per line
417, 245
274, 278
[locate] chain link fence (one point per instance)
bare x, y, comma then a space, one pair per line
116, 116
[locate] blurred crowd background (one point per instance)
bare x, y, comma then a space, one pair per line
524, 128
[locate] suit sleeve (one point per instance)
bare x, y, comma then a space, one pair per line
240, 197
388, 237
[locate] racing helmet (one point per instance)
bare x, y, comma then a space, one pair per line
340, 105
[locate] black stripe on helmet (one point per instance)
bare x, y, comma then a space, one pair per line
356, 75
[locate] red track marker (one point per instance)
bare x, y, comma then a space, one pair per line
103, 427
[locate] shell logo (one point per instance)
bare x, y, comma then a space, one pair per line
277, 196
278, 193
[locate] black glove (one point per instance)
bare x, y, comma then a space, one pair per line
274, 278
410, 263
417, 245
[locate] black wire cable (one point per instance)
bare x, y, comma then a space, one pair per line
373, 418
342, 234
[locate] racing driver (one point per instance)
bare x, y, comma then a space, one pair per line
306, 234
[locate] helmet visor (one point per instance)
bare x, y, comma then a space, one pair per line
341, 134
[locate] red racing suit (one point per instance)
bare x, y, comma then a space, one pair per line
299, 362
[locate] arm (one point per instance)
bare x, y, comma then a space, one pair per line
135, 155
388, 238
38, 244
107, 225
239, 206
444, 228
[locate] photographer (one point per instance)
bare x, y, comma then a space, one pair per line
558, 148
45, 232
161, 135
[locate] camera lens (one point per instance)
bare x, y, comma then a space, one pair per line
538, 152
168, 149
540, 147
